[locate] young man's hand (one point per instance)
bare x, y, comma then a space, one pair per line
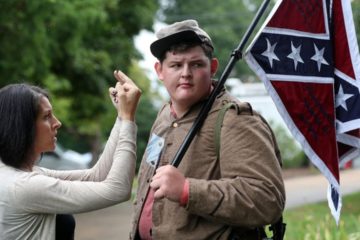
168, 182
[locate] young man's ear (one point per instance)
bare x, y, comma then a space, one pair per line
214, 66
158, 70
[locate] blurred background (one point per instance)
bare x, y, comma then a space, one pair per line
71, 47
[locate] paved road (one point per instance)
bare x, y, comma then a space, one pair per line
311, 189
106, 224
114, 222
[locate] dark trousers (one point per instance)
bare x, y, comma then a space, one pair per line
65, 227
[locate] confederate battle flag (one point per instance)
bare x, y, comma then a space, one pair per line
307, 56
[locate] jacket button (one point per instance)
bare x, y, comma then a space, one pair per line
175, 124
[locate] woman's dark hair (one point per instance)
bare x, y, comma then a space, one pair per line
19, 108
181, 47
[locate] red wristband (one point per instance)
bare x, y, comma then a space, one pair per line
185, 194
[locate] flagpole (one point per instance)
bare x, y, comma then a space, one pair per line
235, 56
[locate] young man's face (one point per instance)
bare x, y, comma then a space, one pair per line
187, 76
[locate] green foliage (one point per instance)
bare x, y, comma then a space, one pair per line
71, 47
291, 153
313, 222
356, 14
146, 113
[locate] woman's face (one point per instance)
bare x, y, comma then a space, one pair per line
46, 128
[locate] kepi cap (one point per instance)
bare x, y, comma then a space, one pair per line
187, 31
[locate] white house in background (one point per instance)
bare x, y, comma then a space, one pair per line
257, 96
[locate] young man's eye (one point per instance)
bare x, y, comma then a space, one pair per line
198, 65
175, 65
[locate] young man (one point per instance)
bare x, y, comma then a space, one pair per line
206, 197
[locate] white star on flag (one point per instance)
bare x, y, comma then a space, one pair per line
319, 57
295, 55
269, 53
341, 98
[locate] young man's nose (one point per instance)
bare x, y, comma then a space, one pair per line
186, 71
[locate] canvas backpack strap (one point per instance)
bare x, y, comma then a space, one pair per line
219, 122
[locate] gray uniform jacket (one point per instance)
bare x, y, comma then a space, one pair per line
242, 190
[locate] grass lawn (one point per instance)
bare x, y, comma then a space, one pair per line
315, 222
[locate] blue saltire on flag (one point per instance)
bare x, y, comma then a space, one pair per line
306, 54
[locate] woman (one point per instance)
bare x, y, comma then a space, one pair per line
34, 200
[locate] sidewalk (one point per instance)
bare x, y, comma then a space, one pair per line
113, 223
311, 189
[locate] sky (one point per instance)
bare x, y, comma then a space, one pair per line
142, 43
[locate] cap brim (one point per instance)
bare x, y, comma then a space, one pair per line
158, 47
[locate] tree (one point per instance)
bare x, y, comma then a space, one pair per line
291, 154
146, 112
356, 14
71, 47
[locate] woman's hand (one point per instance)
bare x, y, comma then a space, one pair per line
125, 96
